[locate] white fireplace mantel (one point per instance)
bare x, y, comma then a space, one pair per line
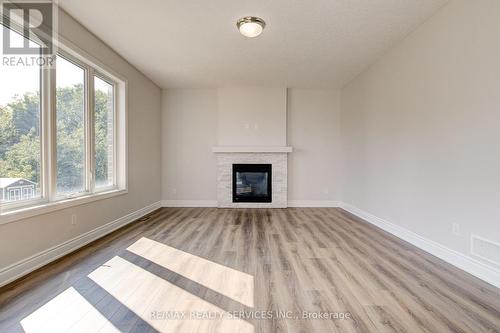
252, 149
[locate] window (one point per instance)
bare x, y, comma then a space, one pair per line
62, 132
27, 193
70, 124
104, 133
20, 126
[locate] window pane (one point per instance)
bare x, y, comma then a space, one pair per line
20, 126
70, 104
104, 132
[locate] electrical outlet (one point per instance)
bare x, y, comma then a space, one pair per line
455, 229
174, 191
326, 191
73, 219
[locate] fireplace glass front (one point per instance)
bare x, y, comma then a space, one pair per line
252, 183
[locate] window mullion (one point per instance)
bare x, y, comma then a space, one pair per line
90, 130
115, 135
50, 144
44, 132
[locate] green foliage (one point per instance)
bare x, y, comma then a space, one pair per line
19, 134
7, 131
102, 135
26, 114
70, 134
22, 159
20, 152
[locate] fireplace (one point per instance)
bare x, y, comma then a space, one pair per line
252, 183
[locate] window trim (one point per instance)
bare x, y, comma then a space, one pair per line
49, 202
48, 207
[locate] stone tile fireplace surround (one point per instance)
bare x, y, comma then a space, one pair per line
276, 156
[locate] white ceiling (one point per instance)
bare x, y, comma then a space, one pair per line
195, 43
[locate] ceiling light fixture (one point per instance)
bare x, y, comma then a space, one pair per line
250, 26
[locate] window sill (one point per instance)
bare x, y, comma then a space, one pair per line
27, 212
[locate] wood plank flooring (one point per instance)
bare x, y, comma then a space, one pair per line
249, 270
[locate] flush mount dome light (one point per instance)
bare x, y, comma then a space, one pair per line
250, 26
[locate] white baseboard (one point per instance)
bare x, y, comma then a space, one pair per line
189, 203
479, 269
25, 266
313, 203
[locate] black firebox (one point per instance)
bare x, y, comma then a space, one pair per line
252, 183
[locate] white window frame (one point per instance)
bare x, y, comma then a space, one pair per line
49, 199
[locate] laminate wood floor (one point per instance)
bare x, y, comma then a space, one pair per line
249, 270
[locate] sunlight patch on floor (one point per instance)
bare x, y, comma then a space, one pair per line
157, 301
229, 282
67, 312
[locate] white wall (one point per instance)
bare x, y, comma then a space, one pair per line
421, 129
314, 134
195, 120
250, 116
24, 238
189, 123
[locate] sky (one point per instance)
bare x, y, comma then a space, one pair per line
16, 79
21, 79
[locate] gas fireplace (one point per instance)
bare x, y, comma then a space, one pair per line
252, 183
